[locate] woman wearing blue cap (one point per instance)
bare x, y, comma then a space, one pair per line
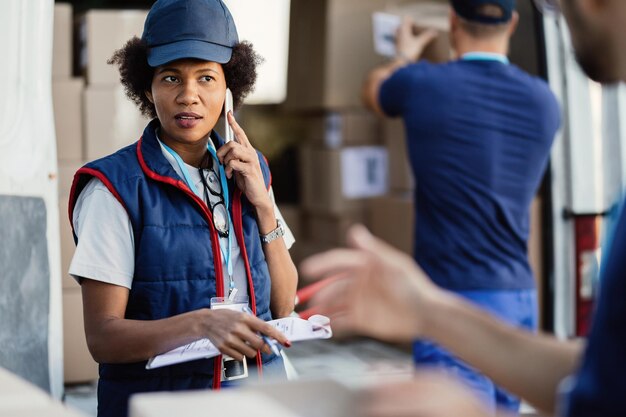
167, 224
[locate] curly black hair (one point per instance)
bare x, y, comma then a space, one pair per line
136, 75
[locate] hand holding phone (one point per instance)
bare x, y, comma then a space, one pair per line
228, 107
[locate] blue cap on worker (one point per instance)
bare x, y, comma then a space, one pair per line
178, 29
479, 11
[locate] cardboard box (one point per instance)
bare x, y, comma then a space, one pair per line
400, 173
332, 229
100, 34
20, 398
428, 15
67, 99
330, 52
79, 366
62, 41
112, 121
337, 181
17, 393
331, 49
334, 130
392, 218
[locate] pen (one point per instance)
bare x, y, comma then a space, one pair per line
273, 344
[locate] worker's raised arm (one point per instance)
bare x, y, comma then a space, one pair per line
409, 47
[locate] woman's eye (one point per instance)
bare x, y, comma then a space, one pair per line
207, 78
170, 79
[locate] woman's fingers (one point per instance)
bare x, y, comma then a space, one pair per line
240, 135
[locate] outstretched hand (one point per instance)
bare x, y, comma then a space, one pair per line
380, 292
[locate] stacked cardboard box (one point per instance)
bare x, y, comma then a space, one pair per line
353, 165
111, 120
67, 94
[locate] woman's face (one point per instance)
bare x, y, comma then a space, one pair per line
188, 96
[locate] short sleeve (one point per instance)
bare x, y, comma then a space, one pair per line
395, 90
105, 249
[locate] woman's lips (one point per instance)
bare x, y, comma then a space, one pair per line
187, 120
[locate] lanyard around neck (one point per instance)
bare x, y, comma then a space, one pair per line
183, 168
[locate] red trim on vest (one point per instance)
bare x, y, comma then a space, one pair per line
101, 177
215, 245
238, 225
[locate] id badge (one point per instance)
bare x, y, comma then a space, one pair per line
232, 369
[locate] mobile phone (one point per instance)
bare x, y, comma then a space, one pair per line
228, 106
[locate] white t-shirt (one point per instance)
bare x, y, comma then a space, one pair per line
107, 254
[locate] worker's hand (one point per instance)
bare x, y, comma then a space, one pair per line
409, 44
241, 160
236, 334
381, 292
430, 394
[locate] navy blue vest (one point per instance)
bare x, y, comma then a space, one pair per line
177, 260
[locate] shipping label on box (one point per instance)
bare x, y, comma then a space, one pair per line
364, 171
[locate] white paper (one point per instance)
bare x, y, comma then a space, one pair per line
295, 328
385, 26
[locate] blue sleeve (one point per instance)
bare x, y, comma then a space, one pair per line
394, 91
599, 384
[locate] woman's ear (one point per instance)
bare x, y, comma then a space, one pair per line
149, 95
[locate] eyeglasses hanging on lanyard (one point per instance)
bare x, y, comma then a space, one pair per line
212, 185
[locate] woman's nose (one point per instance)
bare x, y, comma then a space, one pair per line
188, 94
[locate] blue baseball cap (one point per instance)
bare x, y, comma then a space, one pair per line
178, 29
471, 10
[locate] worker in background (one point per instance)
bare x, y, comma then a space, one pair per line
479, 132
384, 294
178, 228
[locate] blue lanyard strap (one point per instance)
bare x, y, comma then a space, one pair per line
485, 56
226, 253
183, 169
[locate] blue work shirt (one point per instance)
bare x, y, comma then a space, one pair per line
478, 134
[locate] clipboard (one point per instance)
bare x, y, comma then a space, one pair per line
295, 328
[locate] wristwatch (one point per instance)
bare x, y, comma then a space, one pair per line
274, 234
